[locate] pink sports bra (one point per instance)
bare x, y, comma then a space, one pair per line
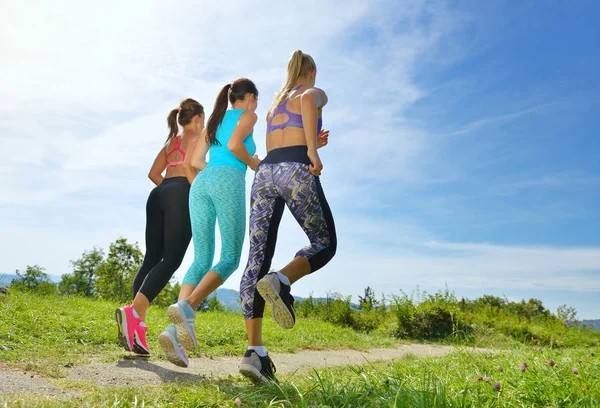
177, 147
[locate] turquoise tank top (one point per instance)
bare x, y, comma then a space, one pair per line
220, 155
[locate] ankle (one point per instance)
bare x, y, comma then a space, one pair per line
260, 350
188, 306
283, 279
139, 315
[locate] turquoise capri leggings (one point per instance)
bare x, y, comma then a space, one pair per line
217, 193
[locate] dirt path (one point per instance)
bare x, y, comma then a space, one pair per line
143, 372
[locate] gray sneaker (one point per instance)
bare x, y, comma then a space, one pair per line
172, 347
279, 297
259, 370
184, 318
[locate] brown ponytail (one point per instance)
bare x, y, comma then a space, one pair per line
216, 117
183, 114
236, 91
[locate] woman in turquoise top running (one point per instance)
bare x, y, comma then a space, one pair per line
218, 192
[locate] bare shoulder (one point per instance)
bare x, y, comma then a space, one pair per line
313, 90
316, 95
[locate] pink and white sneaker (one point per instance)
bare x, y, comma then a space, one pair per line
127, 324
140, 346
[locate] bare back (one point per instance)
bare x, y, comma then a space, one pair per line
175, 153
285, 128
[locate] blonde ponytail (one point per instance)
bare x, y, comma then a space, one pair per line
299, 66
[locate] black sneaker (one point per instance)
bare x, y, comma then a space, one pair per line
279, 297
259, 370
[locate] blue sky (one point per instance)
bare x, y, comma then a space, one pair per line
463, 151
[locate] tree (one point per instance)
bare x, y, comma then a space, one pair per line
81, 281
211, 304
567, 315
214, 305
34, 279
115, 275
168, 295
368, 301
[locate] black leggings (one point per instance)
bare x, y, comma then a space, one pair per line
168, 235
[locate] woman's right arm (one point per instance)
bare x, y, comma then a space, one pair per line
236, 142
159, 165
198, 158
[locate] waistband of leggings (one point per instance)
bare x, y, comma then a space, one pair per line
297, 154
178, 179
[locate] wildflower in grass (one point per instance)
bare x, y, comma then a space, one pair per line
551, 363
499, 368
575, 371
539, 349
238, 402
487, 378
478, 378
522, 367
580, 361
497, 386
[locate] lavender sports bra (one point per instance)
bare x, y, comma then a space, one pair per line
294, 119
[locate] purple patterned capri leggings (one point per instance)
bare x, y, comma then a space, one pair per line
281, 179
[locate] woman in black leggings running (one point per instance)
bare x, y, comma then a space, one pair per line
168, 228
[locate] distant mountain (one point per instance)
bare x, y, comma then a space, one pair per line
596, 323
7, 278
229, 298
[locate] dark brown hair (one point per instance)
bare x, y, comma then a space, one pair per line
236, 91
183, 114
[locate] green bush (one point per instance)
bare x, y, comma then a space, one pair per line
367, 321
33, 279
338, 311
435, 316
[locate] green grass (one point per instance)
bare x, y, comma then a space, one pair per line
450, 381
42, 334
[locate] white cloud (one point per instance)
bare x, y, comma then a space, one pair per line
86, 90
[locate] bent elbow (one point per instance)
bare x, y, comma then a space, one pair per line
233, 146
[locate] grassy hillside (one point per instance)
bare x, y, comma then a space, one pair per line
45, 333
42, 334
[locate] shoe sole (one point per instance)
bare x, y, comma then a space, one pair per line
280, 312
167, 343
253, 374
138, 348
182, 333
122, 327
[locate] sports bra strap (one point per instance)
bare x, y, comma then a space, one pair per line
177, 147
